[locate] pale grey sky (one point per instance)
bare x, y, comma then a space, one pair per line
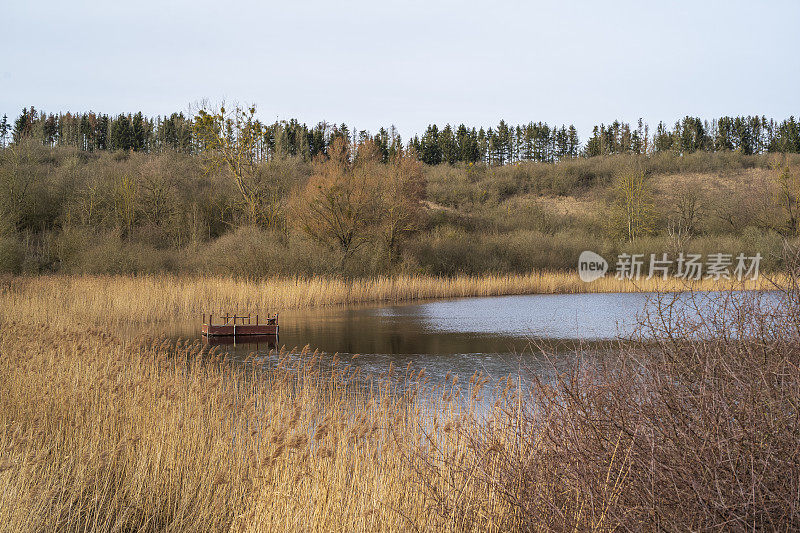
406, 63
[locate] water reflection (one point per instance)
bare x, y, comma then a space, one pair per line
465, 326
251, 343
495, 335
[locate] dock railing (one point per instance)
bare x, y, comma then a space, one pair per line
243, 319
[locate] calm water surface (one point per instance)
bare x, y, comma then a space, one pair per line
493, 335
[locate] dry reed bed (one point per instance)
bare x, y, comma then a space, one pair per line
697, 431
146, 299
102, 435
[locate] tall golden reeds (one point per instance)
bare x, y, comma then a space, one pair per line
698, 429
104, 435
146, 299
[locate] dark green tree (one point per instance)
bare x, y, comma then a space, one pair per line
429, 150
139, 133
448, 145
23, 126
121, 133
5, 127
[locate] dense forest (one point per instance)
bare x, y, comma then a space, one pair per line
504, 143
221, 192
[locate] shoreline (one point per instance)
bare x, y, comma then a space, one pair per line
59, 299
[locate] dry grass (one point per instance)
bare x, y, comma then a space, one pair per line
102, 435
99, 435
698, 431
742, 180
584, 205
106, 300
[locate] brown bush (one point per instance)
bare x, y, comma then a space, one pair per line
694, 426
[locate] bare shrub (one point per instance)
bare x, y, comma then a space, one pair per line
692, 424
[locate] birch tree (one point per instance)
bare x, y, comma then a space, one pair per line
634, 209
230, 139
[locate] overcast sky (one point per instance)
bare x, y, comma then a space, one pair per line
406, 63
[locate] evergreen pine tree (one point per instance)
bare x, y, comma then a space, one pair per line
101, 139
121, 137
139, 133
430, 151
23, 126
573, 143
5, 127
448, 146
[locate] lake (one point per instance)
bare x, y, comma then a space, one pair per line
492, 335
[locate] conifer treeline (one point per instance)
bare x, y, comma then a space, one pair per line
498, 145
748, 135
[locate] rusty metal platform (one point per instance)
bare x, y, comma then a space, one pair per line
236, 325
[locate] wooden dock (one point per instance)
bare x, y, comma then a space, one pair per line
240, 325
